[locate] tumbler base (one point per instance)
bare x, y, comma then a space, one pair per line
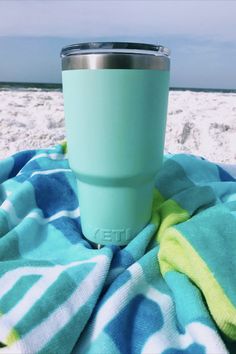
114, 215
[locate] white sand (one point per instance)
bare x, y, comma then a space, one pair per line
198, 122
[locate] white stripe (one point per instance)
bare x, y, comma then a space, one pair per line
158, 297
73, 214
194, 333
50, 172
32, 295
8, 207
14, 220
69, 213
112, 306
8, 280
47, 172
159, 339
40, 335
29, 299
52, 156
206, 336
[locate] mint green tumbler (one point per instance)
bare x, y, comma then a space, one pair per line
115, 97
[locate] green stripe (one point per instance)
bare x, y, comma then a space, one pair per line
11, 338
166, 213
64, 146
176, 253
212, 234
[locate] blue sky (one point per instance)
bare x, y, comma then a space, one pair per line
201, 35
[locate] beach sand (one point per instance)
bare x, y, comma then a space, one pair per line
200, 123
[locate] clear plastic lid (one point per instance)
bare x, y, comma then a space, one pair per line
115, 47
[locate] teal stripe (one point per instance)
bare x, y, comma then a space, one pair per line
173, 183
198, 171
185, 292
193, 183
231, 206
24, 200
9, 249
44, 163
3, 194
71, 330
54, 296
11, 185
151, 269
215, 229
105, 344
196, 199
10, 263
5, 168
224, 191
172, 179
4, 226
16, 293
42, 240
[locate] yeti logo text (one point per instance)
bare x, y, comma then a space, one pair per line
112, 235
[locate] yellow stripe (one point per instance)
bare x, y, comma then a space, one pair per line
176, 253
157, 202
64, 146
166, 213
12, 337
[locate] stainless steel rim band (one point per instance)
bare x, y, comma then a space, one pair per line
116, 61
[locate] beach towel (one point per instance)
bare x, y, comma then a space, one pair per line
171, 290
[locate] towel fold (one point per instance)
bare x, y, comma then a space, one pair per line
198, 236
170, 290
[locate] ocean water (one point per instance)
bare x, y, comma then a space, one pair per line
25, 86
7, 86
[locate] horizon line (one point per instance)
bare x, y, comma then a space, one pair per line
51, 85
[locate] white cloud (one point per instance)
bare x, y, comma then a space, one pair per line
119, 19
